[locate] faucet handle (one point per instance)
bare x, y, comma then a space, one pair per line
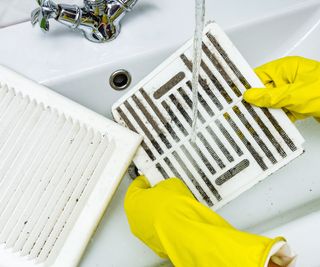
37, 16
128, 4
47, 10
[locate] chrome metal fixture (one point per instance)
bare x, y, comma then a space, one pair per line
120, 80
98, 20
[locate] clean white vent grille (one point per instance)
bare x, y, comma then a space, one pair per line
237, 144
50, 164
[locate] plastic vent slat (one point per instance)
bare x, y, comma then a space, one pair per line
41, 170
25, 182
13, 192
75, 192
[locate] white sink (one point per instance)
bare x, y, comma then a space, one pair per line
80, 70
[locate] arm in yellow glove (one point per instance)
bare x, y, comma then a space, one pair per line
175, 225
292, 83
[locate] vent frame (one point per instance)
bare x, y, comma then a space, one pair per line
122, 144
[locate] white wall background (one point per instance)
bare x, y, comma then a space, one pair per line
12, 11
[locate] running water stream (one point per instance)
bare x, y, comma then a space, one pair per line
197, 55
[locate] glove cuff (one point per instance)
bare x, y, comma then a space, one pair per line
281, 254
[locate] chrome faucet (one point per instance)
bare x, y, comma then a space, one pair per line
98, 20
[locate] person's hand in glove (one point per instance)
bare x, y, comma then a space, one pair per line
175, 225
292, 83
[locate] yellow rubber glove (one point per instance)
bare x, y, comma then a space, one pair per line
292, 83
175, 225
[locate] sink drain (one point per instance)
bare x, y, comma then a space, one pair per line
120, 80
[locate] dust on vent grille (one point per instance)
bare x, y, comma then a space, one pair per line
237, 144
49, 164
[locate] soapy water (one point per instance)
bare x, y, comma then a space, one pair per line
197, 55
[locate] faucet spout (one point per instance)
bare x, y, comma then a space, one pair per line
98, 20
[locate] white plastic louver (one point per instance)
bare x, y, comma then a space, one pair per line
237, 144
60, 164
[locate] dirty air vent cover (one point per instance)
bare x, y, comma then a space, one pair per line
237, 145
60, 163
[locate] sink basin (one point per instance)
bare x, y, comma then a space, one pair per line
292, 32
64, 61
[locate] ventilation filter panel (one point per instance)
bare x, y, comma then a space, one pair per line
237, 144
